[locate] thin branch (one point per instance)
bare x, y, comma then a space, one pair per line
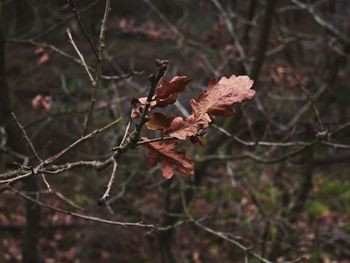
216, 233
314, 107
103, 199
259, 143
254, 157
45, 45
154, 80
67, 200
58, 155
124, 76
26, 137
79, 141
83, 63
306, 107
85, 33
81, 216
311, 10
48, 186
53, 27
233, 34
164, 19
96, 81
161, 139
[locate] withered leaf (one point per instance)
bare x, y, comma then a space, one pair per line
159, 121
171, 159
166, 94
168, 91
217, 100
181, 128
219, 97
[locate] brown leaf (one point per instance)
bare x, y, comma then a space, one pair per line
217, 100
159, 121
183, 128
171, 159
41, 102
168, 91
166, 94
219, 97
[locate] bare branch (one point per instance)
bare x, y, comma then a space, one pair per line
103, 199
83, 63
26, 137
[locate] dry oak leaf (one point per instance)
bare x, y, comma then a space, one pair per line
181, 128
217, 100
168, 91
166, 94
171, 159
159, 121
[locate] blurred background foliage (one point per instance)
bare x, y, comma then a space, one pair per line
284, 206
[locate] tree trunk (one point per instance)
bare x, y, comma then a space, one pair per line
263, 39
31, 231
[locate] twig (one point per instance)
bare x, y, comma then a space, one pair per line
165, 20
310, 9
233, 34
48, 186
85, 217
85, 33
256, 158
162, 67
45, 45
126, 133
305, 108
124, 76
96, 81
26, 137
33, 149
51, 28
103, 199
161, 139
259, 143
314, 107
58, 155
216, 233
78, 142
68, 201
83, 63
172, 27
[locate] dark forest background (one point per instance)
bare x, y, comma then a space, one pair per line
271, 182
